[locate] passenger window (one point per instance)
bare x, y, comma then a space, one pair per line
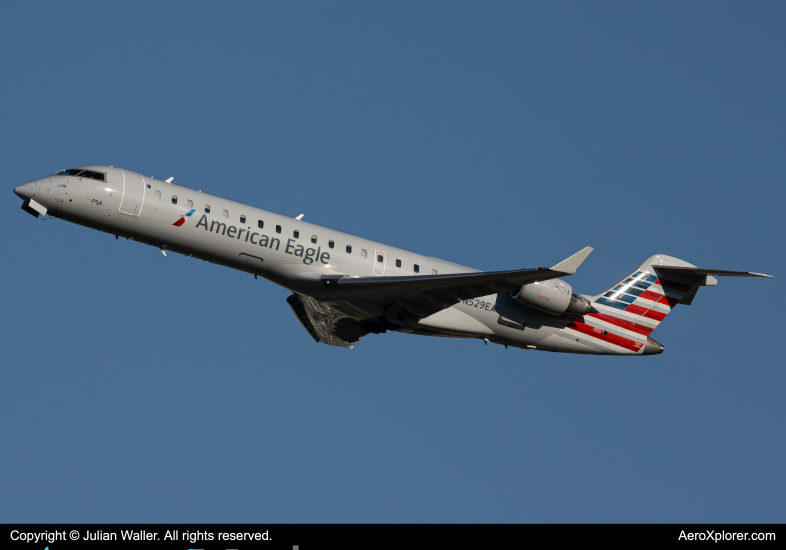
207, 209
174, 199
349, 249
278, 229
433, 271
242, 219
363, 252
225, 213
296, 233
398, 262
416, 267
190, 204
158, 194
330, 244
314, 239
260, 224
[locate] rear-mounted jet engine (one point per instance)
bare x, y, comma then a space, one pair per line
553, 296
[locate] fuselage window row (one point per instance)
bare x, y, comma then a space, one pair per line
296, 234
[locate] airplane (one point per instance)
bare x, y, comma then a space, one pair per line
346, 287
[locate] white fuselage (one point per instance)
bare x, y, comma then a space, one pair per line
282, 249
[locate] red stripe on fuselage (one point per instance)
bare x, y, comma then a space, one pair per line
179, 222
629, 325
595, 332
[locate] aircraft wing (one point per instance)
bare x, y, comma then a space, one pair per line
412, 298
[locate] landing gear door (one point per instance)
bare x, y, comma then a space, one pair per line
379, 263
133, 194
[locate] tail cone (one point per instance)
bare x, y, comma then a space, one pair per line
652, 347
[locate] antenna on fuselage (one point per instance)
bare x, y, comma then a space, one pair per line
300, 217
170, 179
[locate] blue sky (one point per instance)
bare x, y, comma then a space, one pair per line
495, 135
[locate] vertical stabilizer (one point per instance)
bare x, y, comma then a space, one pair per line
643, 299
625, 315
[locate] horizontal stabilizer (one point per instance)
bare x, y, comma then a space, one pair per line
570, 265
711, 272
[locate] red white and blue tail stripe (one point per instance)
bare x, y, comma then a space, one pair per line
629, 311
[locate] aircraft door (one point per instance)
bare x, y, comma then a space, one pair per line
379, 263
133, 194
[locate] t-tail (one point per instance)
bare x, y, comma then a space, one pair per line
626, 314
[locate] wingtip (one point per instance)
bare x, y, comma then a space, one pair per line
570, 265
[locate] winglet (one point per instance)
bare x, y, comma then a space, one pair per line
570, 265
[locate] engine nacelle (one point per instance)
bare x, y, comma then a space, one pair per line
553, 296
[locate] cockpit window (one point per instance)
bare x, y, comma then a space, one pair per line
78, 172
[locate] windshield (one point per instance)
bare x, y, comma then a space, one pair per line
100, 176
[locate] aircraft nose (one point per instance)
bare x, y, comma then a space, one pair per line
25, 191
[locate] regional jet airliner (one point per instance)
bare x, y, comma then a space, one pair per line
346, 287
